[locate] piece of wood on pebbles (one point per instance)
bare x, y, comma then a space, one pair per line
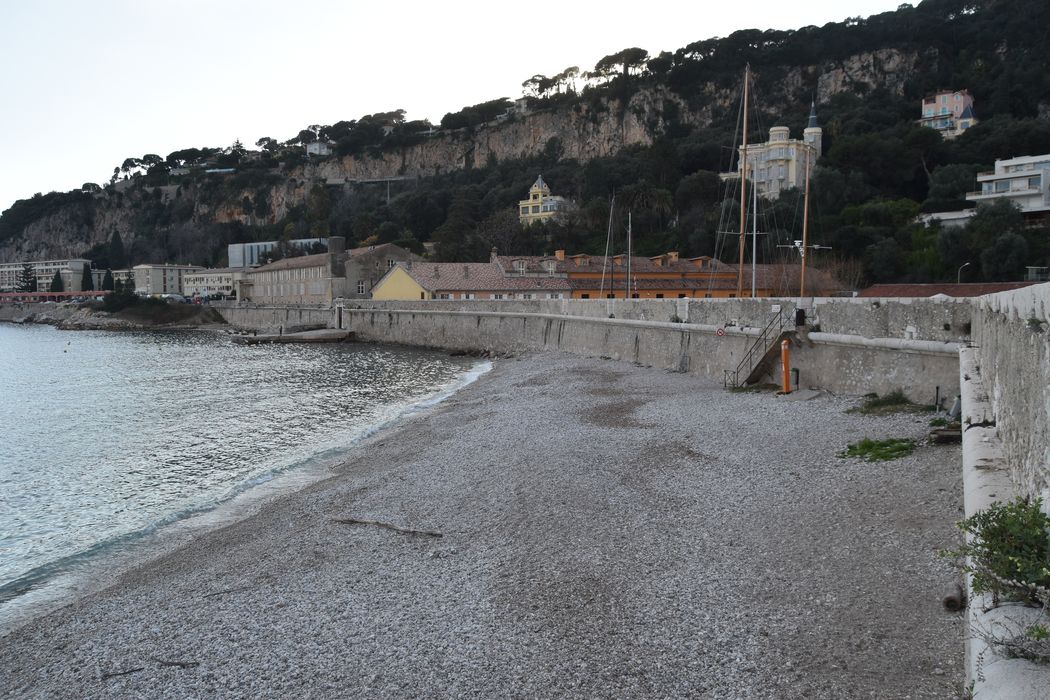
388, 526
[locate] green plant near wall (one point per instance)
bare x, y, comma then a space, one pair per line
1008, 551
880, 450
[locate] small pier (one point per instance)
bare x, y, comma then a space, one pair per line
324, 335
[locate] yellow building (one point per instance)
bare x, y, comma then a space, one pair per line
541, 204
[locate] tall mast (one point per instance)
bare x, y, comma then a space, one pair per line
805, 230
743, 190
754, 236
628, 267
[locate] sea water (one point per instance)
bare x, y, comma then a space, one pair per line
107, 437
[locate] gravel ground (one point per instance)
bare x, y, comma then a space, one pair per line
608, 531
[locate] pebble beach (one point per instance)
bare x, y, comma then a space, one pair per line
563, 527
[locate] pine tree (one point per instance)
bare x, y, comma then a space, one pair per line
117, 256
87, 281
56, 283
107, 281
27, 279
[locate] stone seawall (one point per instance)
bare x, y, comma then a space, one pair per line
911, 319
1012, 336
288, 318
838, 363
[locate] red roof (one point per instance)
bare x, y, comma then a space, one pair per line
966, 289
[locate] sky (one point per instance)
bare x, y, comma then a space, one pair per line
85, 85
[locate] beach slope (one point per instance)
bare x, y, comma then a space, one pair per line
563, 526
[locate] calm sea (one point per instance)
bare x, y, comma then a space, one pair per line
107, 437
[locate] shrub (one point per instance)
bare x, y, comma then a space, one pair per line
1008, 551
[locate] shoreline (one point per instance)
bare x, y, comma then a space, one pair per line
67, 581
604, 529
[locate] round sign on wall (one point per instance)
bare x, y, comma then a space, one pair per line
720, 332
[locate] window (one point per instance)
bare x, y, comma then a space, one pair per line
390, 263
536, 209
1002, 186
659, 296
554, 295
422, 295
610, 296
585, 296
444, 295
635, 295
519, 265
524, 210
468, 296
551, 266
497, 296
1033, 182
526, 295
535, 197
360, 286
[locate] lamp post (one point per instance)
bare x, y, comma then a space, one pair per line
958, 277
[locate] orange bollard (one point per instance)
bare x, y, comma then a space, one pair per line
785, 365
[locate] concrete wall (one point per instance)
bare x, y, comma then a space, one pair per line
266, 318
842, 364
913, 319
1010, 330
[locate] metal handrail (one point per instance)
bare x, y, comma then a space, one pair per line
772, 329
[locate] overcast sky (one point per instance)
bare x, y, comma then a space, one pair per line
87, 84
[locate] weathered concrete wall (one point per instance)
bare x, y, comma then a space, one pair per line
264, 318
843, 364
913, 319
1013, 346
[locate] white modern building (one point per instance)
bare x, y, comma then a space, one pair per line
1024, 180
71, 271
151, 280
781, 163
249, 254
219, 282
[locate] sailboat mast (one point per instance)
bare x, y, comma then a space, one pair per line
754, 237
805, 231
743, 190
608, 242
628, 280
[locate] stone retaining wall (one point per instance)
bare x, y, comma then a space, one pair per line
1011, 332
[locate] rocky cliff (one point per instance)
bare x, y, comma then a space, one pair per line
583, 131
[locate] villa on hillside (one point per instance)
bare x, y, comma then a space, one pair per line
541, 204
782, 162
949, 112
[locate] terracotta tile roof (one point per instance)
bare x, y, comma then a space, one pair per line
966, 289
537, 264
478, 277
318, 260
354, 252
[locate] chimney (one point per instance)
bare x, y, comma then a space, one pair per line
493, 255
559, 254
657, 260
672, 257
337, 255
618, 259
466, 270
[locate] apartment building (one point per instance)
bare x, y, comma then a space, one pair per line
71, 270
153, 280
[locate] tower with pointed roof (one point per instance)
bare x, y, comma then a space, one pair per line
541, 204
813, 135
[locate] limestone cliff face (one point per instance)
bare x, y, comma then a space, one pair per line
582, 132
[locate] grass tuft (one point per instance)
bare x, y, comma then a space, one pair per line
880, 450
